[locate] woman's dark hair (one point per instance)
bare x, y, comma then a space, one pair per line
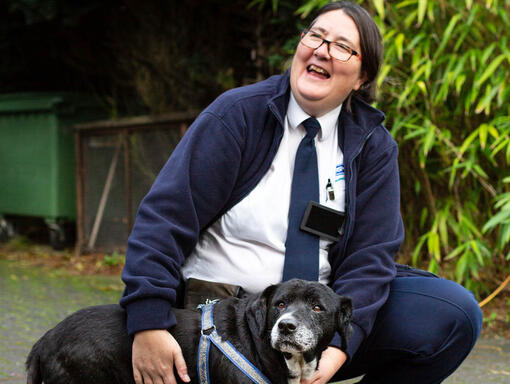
370, 44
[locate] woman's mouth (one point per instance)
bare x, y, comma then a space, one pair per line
315, 70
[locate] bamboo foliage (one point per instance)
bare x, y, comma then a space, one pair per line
446, 92
444, 87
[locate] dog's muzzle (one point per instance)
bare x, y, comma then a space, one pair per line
288, 335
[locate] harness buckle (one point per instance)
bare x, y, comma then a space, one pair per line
208, 331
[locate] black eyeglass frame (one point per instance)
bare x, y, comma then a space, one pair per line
328, 42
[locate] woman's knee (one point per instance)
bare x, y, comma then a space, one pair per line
474, 317
447, 313
466, 315
469, 306
425, 330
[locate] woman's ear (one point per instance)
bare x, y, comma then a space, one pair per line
362, 81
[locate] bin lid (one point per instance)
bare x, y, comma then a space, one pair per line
40, 101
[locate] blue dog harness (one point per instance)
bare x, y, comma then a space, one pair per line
209, 335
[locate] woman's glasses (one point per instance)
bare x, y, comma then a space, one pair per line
313, 39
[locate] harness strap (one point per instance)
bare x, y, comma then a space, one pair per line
209, 335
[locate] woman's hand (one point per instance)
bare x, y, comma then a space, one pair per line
155, 352
331, 361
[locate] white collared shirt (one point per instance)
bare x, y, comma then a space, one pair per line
246, 246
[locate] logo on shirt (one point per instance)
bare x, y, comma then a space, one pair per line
339, 172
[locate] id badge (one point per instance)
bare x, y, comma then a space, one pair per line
323, 221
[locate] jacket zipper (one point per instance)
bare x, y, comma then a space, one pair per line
348, 188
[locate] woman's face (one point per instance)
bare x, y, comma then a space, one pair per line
318, 82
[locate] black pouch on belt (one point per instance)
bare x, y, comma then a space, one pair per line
198, 291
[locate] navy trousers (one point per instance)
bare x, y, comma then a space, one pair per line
421, 335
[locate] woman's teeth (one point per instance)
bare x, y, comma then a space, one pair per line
319, 70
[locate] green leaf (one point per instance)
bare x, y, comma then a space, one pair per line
415, 41
443, 230
433, 245
482, 133
399, 43
490, 70
467, 143
504, 16
485, 102
430, 137
471, 97
275, 6
459, 82
457, 251
476, 249
460, 270
453, 172
503, 202
500, 144
433, 266
487, 53
379, 7
505, 235
446, 36
416, 252
405, 3
415, 133
502, 217
460, 40
469, 225
423, 216
382, 75
422, 8
306, 8
411, 16
422, 87
493, 131
479, 170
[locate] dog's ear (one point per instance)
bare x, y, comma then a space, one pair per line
258, 310
344, 317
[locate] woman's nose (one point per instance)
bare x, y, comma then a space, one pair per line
323, 51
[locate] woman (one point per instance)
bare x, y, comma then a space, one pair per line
221, 211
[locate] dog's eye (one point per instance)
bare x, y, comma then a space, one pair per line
317, 308
281, 305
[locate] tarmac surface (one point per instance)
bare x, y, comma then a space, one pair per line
33, 301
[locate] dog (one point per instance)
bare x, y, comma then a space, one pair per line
281, 331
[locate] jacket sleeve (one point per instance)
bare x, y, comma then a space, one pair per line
364, 272
189, 192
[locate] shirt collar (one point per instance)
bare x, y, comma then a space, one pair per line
296, 116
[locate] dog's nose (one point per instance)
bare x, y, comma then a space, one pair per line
287, 326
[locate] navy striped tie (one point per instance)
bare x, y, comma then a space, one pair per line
302, 248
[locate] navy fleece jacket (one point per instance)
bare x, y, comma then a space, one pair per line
220, 159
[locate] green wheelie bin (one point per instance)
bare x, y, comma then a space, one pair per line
37, 158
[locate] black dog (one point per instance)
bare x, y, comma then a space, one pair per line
282, 331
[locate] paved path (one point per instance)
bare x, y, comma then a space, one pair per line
32, 301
